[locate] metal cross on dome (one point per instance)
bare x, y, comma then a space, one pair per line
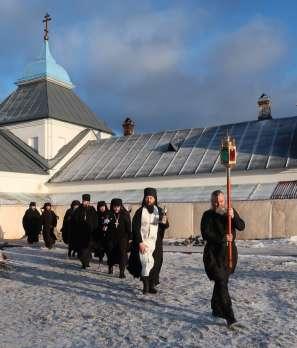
47, 18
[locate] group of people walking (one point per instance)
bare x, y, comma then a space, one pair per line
34, 223
111, 232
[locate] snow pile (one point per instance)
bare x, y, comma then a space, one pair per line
293, 240
259, 245
48, 301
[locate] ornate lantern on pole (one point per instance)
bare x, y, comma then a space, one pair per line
228, 159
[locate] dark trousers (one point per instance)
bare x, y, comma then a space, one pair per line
85, 256
117, 254
33, 237
49, 237
221, 302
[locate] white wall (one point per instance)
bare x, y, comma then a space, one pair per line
52, 134
23, 183
103, 135
58, 134
27, 130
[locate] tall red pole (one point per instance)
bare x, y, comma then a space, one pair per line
228, 159
229, 221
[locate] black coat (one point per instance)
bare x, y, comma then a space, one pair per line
215, 256
134, 266
49, 222
83, 224
32, 223
100, 234
66, 227
117, 238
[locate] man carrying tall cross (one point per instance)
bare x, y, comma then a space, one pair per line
215, 256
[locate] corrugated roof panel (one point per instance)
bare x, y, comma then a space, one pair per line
44, 99
126, 160
263, 146
15, 158
198, 151
119, 153
212, 153
245, 149
168, 156
181, 156
285, 190
165, 195
153, 158
105, 159
283, 141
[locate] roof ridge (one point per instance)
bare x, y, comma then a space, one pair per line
64, 150
25, 149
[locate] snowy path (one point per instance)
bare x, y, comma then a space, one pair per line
47, 301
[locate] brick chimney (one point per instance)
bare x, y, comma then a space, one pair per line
264, 103
128, 127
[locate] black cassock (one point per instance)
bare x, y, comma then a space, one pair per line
134, 265
67, 236
215, 258
66, 226
84, 222
100, 236
117, 238
32, 225
49, 222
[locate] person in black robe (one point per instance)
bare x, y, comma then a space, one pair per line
215, 256
84, 223
148, 228
49, 222
66, 228
118, 236
32, 223
100, 234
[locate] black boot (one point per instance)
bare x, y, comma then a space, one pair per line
110, 270
122, 272
146, 285
231, 321
152, 289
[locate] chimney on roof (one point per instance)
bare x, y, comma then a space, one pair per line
264, 103
128, 127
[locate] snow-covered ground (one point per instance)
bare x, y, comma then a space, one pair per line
46, 300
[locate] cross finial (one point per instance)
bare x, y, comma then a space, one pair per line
47, 18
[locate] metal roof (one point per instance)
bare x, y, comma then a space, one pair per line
45, 99
18, 157
67, 148
45, 66
171, 195
285, 190
165, 195
267, 144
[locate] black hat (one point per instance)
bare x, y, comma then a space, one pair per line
150, 191
32, 204
101, 204
86, 197
47, 204
74, 203
116, 202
